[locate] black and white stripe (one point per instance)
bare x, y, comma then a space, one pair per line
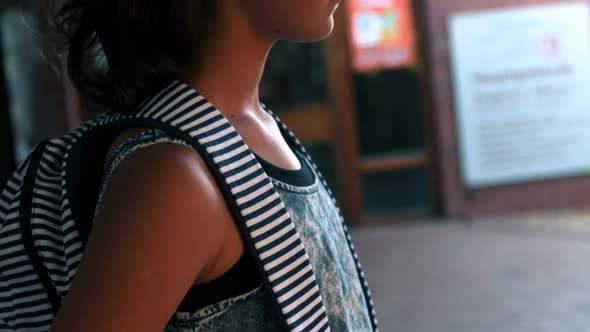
23, 301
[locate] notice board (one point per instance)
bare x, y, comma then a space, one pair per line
521, 78
521, 57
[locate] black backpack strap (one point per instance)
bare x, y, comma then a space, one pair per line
25, 225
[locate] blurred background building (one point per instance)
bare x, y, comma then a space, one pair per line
415, 110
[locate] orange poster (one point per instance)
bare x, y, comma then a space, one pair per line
381, 34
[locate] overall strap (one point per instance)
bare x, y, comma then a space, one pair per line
263, 220
297, 144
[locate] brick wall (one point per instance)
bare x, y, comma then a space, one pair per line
455, 199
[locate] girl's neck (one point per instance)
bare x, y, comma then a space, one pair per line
231, 66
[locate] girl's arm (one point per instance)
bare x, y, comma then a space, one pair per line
157, 230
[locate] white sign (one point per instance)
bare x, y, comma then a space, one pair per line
522, 92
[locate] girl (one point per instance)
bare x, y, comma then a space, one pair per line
165, 252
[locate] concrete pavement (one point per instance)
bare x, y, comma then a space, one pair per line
504, 274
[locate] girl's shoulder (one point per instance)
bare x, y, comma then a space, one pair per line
157, 231
137, 138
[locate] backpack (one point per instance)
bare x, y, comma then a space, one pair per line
47, 209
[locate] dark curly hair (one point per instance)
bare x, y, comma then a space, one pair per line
120, 51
